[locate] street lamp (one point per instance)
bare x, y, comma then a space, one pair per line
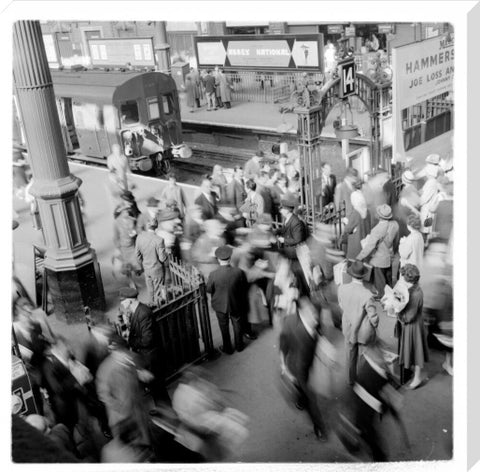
346, 129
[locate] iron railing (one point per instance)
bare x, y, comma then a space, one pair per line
266, 87
183, 320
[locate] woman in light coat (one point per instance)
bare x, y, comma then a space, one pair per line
411, 247
429, 199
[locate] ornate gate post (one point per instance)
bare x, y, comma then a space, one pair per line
310, 124
72, 269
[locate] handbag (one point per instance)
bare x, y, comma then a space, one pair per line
428, 222
368, 328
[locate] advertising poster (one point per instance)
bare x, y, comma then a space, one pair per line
422, 71
283, 52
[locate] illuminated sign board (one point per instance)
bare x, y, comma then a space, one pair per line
335, 29
283, 51
120, 51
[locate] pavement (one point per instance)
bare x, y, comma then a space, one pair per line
277, 432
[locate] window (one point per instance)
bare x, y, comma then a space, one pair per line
153, 110
167, 104
129, 112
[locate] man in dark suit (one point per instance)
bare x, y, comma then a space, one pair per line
143, 339
207, 200
329, 182
235, 190
298, 341
228, 287
293, 233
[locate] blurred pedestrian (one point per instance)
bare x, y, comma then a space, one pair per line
151, 256
235, 190
412, 338
117, 164
219, 182
359, 319
344, 190
252, 167
119, 388
169, 226
207, 200
429, 201
33, 345
329, 183
124, 237
408, 202
373, 395
143, 339
191, 91
58, 433
173, 191
265, 192
254, 204
228, 286
379, 248
149, 214
298, 342
358, 225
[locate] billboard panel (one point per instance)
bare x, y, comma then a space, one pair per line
120, 51
422, 71
259, 52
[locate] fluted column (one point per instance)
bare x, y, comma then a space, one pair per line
162, 48
67, 249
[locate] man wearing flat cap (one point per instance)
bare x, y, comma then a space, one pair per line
380, 246
150, 214
358, 306
228, 288
143, 339
151, 255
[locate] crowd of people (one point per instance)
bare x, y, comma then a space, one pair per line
264, 266
213, 87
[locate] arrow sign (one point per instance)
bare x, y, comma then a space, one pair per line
212, 52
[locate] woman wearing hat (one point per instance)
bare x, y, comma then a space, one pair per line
358, 226
412, 338
380, 246
408, 202
429, 201
411, 247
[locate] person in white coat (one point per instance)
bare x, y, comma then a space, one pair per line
411, 247
429, 200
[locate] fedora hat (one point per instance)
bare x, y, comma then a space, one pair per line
223, 253
433, 159
384, 212
408, 177
167, 215
357, 269
128, 292
152, 202
289, 201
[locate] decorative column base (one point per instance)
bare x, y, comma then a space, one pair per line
74, 289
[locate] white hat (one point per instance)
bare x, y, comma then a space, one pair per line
433, 159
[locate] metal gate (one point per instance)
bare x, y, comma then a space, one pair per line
183, 321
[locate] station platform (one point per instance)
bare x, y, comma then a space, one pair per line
277, 431
260, 117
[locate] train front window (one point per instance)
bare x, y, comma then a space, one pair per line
129, 112
153, 109
167, 104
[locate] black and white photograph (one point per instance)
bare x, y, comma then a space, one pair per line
232, 239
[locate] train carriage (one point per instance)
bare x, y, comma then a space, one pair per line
137, 110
